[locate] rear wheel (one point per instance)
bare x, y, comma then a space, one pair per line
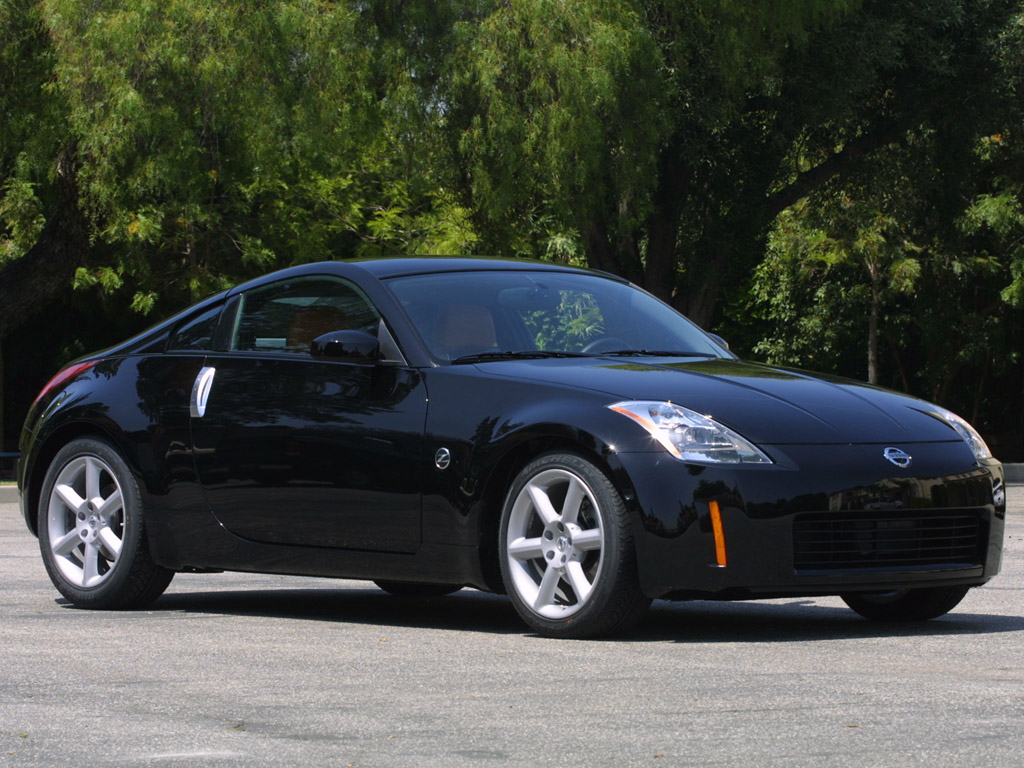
92, 533
905, 604
567, 555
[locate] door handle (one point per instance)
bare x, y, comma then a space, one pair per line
201, 392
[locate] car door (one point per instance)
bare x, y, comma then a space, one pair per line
292, 449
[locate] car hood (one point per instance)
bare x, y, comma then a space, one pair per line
765, 404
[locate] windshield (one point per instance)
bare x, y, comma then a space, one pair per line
474, 316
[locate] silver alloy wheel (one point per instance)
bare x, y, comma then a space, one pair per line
85, 521
555, 543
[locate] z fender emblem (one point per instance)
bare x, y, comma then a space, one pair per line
443, 458
900, 458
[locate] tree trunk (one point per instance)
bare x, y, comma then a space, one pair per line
979, 390
898, 362
2, 433
597, 247
703, 287
662, 260
873, 332
27, 283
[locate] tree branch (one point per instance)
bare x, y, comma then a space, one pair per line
885, 133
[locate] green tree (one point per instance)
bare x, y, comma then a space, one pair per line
666, 137
934, 259
845, 259
207, 141
43, 232
154, 151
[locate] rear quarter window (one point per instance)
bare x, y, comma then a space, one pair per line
195, 333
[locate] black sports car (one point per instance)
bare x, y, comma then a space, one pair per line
551, 432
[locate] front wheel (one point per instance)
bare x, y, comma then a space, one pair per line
566, 550
92, 533
905, 604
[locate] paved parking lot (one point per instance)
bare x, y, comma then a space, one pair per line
247, 670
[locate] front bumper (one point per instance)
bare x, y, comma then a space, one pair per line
822, 520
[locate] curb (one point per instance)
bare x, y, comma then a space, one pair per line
9, 494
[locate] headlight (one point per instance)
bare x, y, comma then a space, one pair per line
965, 430
688, 435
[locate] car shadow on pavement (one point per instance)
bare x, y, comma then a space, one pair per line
687, 622
798, 620
467, 610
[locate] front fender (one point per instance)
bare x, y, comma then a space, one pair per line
491, 428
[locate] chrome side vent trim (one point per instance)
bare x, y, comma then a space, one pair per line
201, 392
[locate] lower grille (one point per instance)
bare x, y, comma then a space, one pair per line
839, 540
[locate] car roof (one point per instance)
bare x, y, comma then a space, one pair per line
403, 266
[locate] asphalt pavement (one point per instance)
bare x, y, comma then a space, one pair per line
251, 670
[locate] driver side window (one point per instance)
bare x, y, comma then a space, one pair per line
287, 316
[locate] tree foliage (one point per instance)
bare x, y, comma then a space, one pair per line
219, 139
623, 123
834, 183
923, 248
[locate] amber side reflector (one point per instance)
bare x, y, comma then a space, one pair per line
62, 376
716, 527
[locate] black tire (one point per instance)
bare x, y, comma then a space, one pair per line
102, 556
905, 604
415, 589
573, 575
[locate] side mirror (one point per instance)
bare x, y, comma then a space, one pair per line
346, 347
718, 339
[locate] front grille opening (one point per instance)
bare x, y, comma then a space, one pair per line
826, 541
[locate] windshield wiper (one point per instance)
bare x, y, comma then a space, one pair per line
533, 354
652, 353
